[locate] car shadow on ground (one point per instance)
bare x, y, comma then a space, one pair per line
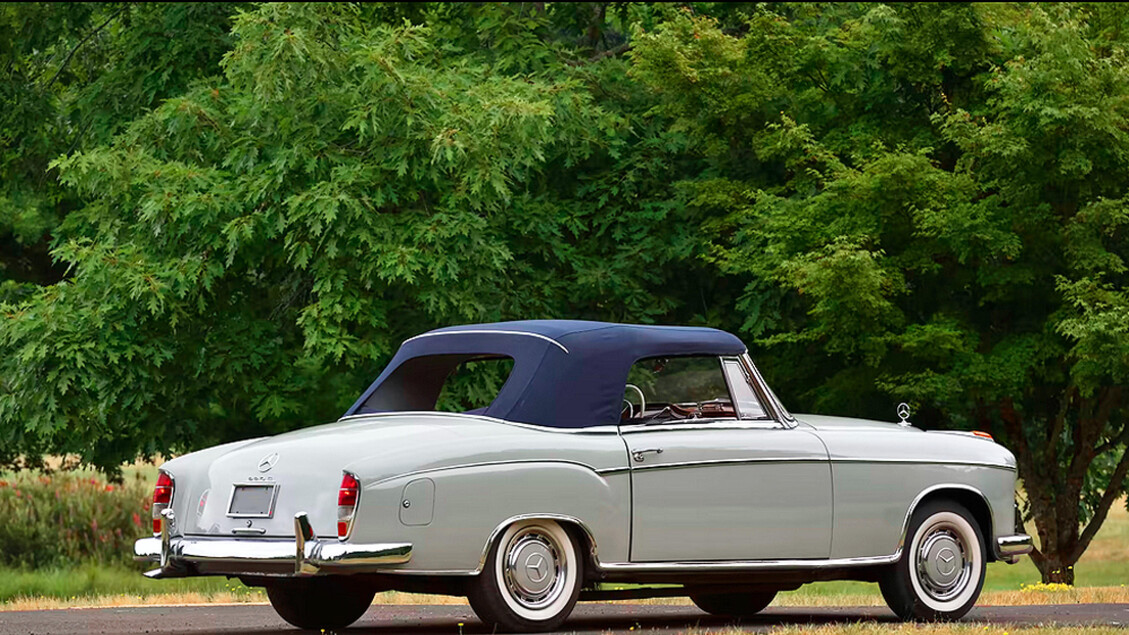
686, 619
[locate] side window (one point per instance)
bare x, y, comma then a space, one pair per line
473, 384
748, 405
662, 389
451, 383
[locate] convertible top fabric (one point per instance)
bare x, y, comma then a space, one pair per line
566, 373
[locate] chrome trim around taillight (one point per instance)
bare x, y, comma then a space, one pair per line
159, 508
353, 513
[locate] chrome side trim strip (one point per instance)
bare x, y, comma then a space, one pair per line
748, 565
728, 423
998, 466
495, 463
719, 462
803, 459
613, 470
490, 332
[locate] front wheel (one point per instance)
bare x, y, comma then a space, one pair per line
320, 603
531, 578
941, 571
733, 604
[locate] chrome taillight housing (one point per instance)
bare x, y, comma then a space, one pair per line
162, 498
347, 497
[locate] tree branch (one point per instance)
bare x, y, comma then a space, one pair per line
84, 41
622, 48
1120, 439
1050, 455
1112, 493
1086, 427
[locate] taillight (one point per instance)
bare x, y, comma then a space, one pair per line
347, 504
162, 498
982, 435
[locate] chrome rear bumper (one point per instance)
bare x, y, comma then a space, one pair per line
305, 555
1009, 548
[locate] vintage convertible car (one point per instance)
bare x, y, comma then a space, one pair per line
611, 453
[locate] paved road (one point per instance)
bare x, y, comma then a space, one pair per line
588, 618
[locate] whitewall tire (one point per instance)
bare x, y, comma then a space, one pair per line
941, 571
531, 578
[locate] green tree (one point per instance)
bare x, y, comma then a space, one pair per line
918, 202
250, 253
73, 76
928, 203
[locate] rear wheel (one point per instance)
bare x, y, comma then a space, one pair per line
531, 578
319, 603
941, 572
734, 604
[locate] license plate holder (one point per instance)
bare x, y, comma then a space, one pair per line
252, 500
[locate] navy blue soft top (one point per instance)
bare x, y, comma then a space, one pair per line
566, 373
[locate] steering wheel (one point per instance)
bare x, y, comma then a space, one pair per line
642, 400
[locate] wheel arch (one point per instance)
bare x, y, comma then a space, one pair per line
576, 527
966, 495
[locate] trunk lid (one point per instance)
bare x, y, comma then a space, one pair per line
305, 468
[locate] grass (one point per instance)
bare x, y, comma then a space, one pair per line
84, 584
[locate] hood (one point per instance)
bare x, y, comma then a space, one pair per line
824, 422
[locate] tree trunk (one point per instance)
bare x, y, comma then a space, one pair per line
1055, 570
1054, 488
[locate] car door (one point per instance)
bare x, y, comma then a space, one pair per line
722, 483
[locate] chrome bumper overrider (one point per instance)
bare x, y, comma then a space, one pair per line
1009, 548
306, 555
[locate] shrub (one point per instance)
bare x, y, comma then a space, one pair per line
62, 518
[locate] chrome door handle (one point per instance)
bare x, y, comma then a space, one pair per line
638, 454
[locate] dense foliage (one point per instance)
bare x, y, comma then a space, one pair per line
58, 519
918, 202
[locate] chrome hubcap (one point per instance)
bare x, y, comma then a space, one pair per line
534, 571
942, 561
